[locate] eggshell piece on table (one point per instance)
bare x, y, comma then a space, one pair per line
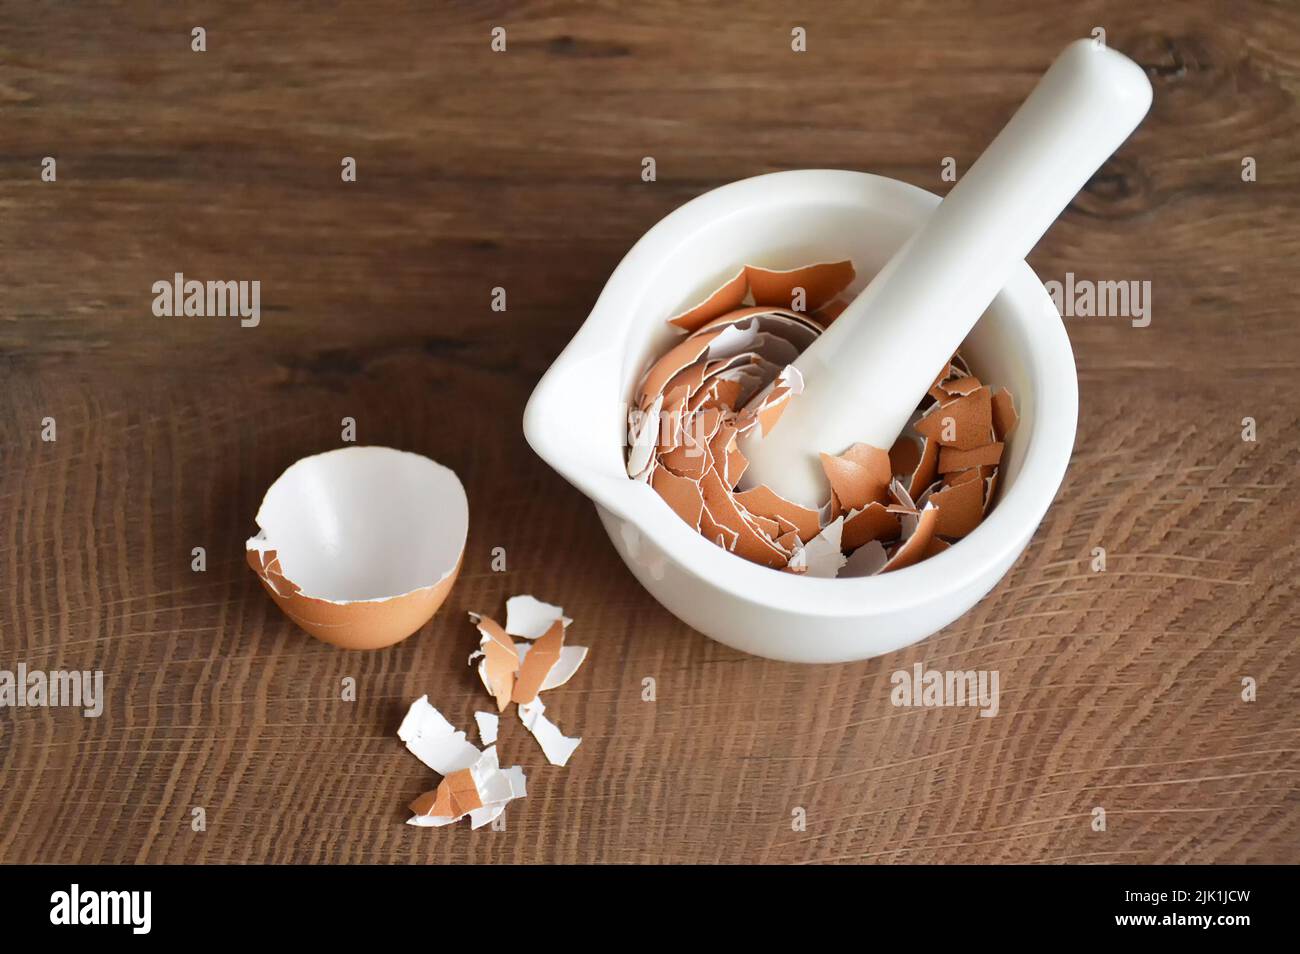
537, 664
360, 546
499, 660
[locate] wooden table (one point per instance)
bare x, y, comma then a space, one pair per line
1120, 689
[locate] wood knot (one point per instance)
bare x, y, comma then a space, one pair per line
1118, 190
1175, 60
566, 45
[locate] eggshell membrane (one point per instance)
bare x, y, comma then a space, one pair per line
360, 546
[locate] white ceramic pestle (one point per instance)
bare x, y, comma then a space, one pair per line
865, 375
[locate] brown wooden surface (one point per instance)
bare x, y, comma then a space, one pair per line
1119, 689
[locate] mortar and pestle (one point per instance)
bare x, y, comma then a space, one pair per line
946, 273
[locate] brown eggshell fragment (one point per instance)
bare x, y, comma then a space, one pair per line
726, 298
936, 546
724, 537
913, 550
916, 460
789, 541
905, 455
828, 312
681, 494
951, 459
670, 427
749, 542
736, 463
820, 282
960, 386
872, 522
500, 661
727, 392
680, 357
681, 387
772, 409
688, 459
767, 502
543, 655
766, 525
1004, 414
971, 417
858, 476
360, 546
961, 508
266, 564
456, 795
961, 476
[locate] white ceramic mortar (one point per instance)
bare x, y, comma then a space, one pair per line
576, 418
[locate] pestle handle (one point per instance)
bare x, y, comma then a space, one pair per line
865, 375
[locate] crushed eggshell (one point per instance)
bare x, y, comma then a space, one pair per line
499, 660
732, 373
542, 656
473, 783
562, 669
360, 546
518, 671
480, 791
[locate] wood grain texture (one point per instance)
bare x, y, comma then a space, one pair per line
1119, 689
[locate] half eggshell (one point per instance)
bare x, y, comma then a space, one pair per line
360, 546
